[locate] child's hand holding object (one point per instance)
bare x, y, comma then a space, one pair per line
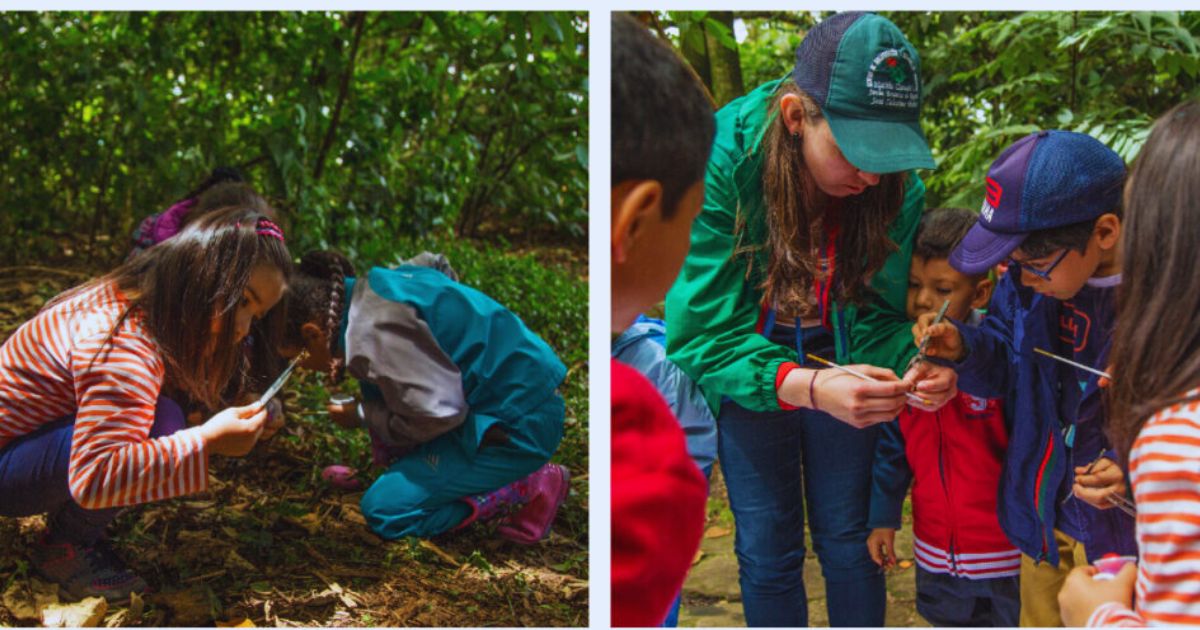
234, 431
945, 342
1094, 483
881, 544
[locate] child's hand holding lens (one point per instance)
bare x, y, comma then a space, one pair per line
234, 431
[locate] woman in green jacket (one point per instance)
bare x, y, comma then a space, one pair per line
803, 246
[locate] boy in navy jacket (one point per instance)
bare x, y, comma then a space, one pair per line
1053, 211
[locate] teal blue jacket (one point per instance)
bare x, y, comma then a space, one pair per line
433, 355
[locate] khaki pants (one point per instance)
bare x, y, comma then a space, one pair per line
1041, 581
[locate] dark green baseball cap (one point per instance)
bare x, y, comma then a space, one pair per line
866, 77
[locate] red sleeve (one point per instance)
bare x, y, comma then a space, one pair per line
784, 369
658, 502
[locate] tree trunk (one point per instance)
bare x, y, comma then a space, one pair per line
692, 43
725, 64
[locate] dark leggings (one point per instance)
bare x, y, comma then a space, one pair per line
34, 469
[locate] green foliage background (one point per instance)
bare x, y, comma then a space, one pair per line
361, 126
992, 77
376, 134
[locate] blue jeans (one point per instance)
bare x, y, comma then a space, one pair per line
773, 461
33, 476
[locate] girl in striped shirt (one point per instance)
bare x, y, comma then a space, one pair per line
88, 423
1155, 401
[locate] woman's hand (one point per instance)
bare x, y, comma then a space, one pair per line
1094, 487
345, 414
857, 402
1081, 595
935, 383
234, 431
945, 342
881, 544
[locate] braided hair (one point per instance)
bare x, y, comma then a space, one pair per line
318, 294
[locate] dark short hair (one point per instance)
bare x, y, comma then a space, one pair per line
1075, 236
662, 119
941, 230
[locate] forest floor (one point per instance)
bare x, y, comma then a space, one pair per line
271, 544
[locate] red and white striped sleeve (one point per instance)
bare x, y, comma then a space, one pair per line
113, 460
1164, 466
1114, 615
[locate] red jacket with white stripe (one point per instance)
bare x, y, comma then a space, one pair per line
70, 359
954, 457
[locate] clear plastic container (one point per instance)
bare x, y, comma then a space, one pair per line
1110, 565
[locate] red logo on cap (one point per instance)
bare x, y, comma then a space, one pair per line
994, 192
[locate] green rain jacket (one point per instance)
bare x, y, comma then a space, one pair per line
713, 310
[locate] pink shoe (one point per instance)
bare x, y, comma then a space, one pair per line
546, 489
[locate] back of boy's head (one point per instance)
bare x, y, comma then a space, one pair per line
662, 119
941, 230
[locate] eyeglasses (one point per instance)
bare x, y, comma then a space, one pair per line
1044, 275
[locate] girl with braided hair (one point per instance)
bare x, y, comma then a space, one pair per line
458, 395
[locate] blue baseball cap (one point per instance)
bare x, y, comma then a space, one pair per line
1045, 180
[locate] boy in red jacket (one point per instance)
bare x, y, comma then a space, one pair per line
966, 568
662, 131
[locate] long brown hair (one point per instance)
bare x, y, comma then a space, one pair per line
178, 286
1156, 349
795, 225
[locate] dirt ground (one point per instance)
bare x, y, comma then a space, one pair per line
270, 543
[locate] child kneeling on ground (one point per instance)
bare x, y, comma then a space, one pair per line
458, 395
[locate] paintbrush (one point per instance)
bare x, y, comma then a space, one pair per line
924, 341
864, 377
278, 384
1070, 362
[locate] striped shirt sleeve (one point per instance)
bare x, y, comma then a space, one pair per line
114, 462
1164, 466
1114, 615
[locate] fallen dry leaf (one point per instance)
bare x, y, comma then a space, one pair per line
19, 602
236, 562
84, 614
189, 607
699, 554
310, 522
234, 623
716, 531
904, 564
441, 553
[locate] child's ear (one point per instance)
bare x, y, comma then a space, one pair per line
1107, 231
313, 335
634, 203
982, 293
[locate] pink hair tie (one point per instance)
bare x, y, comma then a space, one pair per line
267, 227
